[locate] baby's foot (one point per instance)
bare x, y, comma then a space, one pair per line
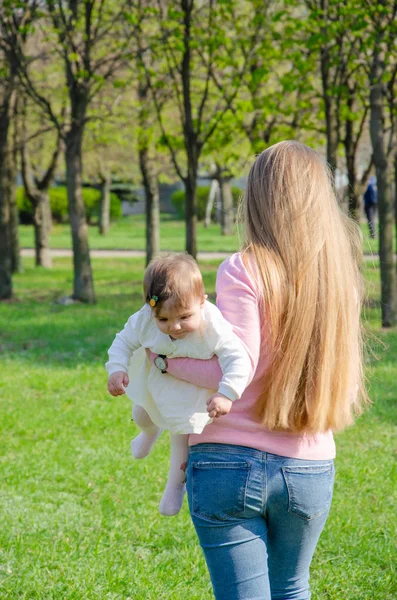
143, 443
172, 499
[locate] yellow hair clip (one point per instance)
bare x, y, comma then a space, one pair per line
153, 300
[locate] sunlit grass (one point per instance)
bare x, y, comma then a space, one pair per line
78, 516
128, 233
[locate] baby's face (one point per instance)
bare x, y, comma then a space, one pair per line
179, 322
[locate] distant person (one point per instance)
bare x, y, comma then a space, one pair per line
260, 479
175, 321
370, 203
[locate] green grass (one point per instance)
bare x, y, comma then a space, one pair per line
78, 517
128, 233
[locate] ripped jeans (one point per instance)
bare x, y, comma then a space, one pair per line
258, 517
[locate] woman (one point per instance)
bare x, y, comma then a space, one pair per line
260, 479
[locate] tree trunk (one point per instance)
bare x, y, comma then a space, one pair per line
191, 211
332, 133
14, 215
42, 228
348, 142
5, 229
5, 241
152, 198
395, 198
83, 288
36, 190
210, 202
385, 205
354, 204
189, 132
104, 215
227, 206
148, 172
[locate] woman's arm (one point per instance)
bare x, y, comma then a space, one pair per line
238, 301
203, 373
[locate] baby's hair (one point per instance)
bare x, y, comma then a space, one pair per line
173, 276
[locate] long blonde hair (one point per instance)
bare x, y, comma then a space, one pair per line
306, 253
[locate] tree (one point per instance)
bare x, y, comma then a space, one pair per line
326, 30
12, 18
335, 42
6, 173
11, 166
382, 74
148, 171
36, 185
146, 112
89, 38
107, 145
226, 155
123, 145
274, 100
173, 60
268, 107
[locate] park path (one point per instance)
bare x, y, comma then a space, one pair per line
62, 252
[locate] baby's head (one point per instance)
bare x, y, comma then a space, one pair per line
174, 289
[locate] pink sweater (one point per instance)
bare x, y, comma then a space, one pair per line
238, 299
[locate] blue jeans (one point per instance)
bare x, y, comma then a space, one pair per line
258, 517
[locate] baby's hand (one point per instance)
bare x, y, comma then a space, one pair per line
218, 405
117, 382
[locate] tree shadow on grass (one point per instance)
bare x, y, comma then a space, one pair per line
51, 334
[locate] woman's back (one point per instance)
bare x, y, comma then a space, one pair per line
239, 299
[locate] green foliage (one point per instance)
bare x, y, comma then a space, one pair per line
178, 201
59, 205
92, 201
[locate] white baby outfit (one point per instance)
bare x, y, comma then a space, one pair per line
171, 403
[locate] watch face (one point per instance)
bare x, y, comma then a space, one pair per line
160, 363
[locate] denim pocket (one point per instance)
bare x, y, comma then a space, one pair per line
309, 489
218, 489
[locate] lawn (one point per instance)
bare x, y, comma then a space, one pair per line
78, 516
128, 233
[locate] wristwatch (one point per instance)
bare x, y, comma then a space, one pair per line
161, 362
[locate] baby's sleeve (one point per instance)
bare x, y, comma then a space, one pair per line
232, 356
124, 344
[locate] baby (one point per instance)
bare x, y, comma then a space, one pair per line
176, 321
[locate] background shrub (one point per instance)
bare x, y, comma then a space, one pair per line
178, 201
59, 205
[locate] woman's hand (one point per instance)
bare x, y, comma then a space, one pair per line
117, 383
